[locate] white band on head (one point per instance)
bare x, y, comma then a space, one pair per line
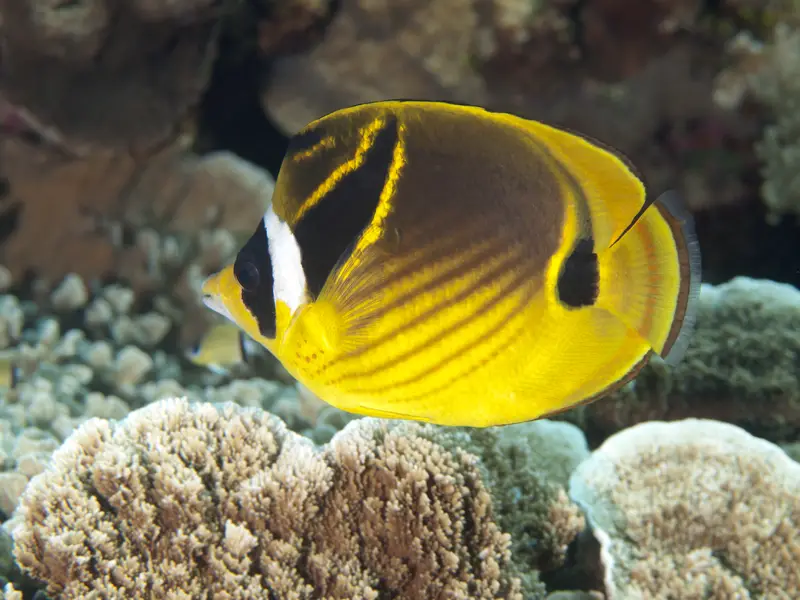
287, 265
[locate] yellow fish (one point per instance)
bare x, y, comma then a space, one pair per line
10, 372
223, 346
445, 263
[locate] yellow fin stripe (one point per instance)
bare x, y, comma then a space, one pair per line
569, 234
454, 269
367, 135
492, 305
376, 228
441, 251
488, 348
458, 295
323, 144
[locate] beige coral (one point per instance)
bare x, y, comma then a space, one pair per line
374, 50
693, 509
92, 198
9, 593
207, 501
159, 221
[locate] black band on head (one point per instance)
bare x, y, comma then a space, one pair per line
253, 271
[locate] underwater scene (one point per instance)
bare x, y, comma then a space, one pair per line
400, 299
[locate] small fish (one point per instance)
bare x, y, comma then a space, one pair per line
448, 264
223, 346
10, 371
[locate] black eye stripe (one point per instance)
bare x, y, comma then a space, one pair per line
253, 270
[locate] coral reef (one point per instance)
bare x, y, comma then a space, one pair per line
527, 468
138, 145
98, 111
640, 78
575, 595
793, 450
183, 500
11, 578
82, 353
776, 85
693, 509
154, 222
9, 593
741, 367
101, 73
7, 565
292, 25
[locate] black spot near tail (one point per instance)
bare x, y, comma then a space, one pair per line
330, 229
579, 281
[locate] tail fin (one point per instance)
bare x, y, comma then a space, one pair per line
650, 276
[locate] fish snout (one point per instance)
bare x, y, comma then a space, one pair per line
212, 296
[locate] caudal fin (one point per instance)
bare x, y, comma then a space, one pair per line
650, 277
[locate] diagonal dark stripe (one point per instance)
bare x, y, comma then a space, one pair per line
428, 314
454, 356
472, 367
509, 288
328, 231
430, 255
444, 278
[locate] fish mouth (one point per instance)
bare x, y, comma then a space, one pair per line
212, 298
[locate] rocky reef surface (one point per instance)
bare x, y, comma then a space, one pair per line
138, 146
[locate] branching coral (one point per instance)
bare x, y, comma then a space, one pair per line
200, 501
694, 509
528, 466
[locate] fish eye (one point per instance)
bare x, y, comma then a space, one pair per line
246, 274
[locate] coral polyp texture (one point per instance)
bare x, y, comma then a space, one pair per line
204, 501
693, 509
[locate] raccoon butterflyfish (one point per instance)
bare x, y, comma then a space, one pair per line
223, 346
448, 264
